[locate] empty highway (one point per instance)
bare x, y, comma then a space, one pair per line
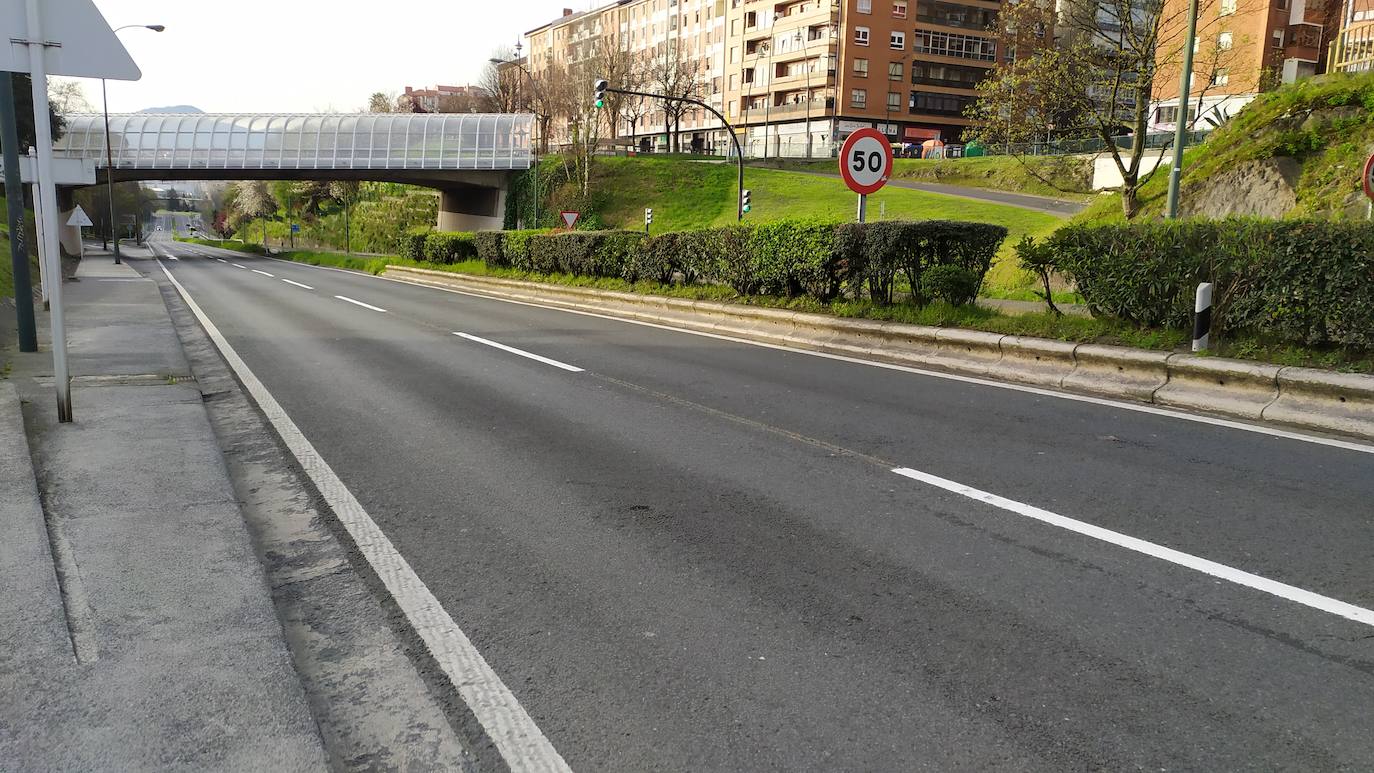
681, 552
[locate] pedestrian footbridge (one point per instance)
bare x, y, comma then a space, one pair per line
468, 157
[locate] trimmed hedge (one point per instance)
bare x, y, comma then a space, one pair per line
583, 253
490, 246
1298, 281
413, 243
449, 247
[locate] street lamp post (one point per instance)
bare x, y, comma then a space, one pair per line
109, 152
1184, 93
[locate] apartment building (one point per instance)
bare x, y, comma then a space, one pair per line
794, 77
1243, 47
427, 100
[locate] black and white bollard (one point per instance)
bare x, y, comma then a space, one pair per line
1202, 316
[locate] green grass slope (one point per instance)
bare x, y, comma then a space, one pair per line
1324, 124
1063, 177
692, 194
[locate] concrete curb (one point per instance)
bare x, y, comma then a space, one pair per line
1306, 398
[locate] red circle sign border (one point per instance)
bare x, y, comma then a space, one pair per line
1368, 170
849, 141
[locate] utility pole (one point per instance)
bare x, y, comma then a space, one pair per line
1181, 125
14, 195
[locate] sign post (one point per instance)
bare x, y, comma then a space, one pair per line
14, 193
865, 165
81, 220
57, 37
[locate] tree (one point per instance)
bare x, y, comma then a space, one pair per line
23, 108
633, 109
620, 68
1098, 77
550, 97
502, 84
68, 96
345, 192
381, 102
252, 200
676, 79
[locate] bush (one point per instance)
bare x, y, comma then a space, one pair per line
656, 259
870, 255
412, 245
791, 256
515, 248
583, 253
489, 248
449, 247
954, 285
1298, 281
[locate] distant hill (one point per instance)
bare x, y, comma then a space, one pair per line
172, 109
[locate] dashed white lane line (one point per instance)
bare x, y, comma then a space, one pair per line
521, 352
173, 257
1220, 571
221, 260
514, 734
264, 273
238, 265
298, 284
360, 303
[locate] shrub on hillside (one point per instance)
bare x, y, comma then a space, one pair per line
449, 247
1299, 281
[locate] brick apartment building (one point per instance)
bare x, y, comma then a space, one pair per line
433, 100
795, 76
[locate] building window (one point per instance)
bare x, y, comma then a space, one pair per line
1221, 77
894, 101
1228, 7
955, 15
939, 104
860, 36
952, 75
961, 46
865, 6
858, 98
1224, 41
1169, 114
861, 68
897, 41
894, 71
899, 9
1278, 38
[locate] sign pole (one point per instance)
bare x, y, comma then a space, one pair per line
49, 249
863, 207
14, 194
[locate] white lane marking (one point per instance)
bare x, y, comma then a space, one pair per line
298, 284
360, 303
1347, 445
514, 733
238, 265
521, 352
264, 273
172, 257
221, 260
1220, 571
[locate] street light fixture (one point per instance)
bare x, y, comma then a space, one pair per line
109, 153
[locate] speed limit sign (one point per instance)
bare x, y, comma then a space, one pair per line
866, 161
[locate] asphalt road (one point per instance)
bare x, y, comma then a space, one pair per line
694, 554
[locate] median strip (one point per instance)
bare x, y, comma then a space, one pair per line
1221, 571
521, 352
360, 303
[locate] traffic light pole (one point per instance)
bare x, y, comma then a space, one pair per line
739, 155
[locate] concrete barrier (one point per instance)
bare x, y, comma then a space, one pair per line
1299, 397
1232, 387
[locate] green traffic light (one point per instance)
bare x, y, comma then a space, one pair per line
600, 103
746, 207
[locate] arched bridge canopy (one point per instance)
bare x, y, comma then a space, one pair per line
357, 141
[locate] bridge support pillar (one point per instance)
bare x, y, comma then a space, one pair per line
472, 208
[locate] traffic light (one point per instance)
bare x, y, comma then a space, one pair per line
744, 200
648, 215
600, 87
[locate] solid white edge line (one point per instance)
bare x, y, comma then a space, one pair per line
1348, 445
515, 735
264, 273
521, 352
298, 284
360, 303
1212, 568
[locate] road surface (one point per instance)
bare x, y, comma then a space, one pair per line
680, 552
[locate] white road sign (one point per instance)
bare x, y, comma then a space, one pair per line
80, 42
79, 217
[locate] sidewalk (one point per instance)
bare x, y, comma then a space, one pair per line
138, 627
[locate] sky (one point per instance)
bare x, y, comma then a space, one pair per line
227, 56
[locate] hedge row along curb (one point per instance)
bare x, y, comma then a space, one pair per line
1302, 397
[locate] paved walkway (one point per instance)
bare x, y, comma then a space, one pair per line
137, 630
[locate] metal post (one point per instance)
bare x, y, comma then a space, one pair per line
1202, 316
863, 207
1184, 93
39, 228
14, 197
109, 169
347, 248
50, 251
